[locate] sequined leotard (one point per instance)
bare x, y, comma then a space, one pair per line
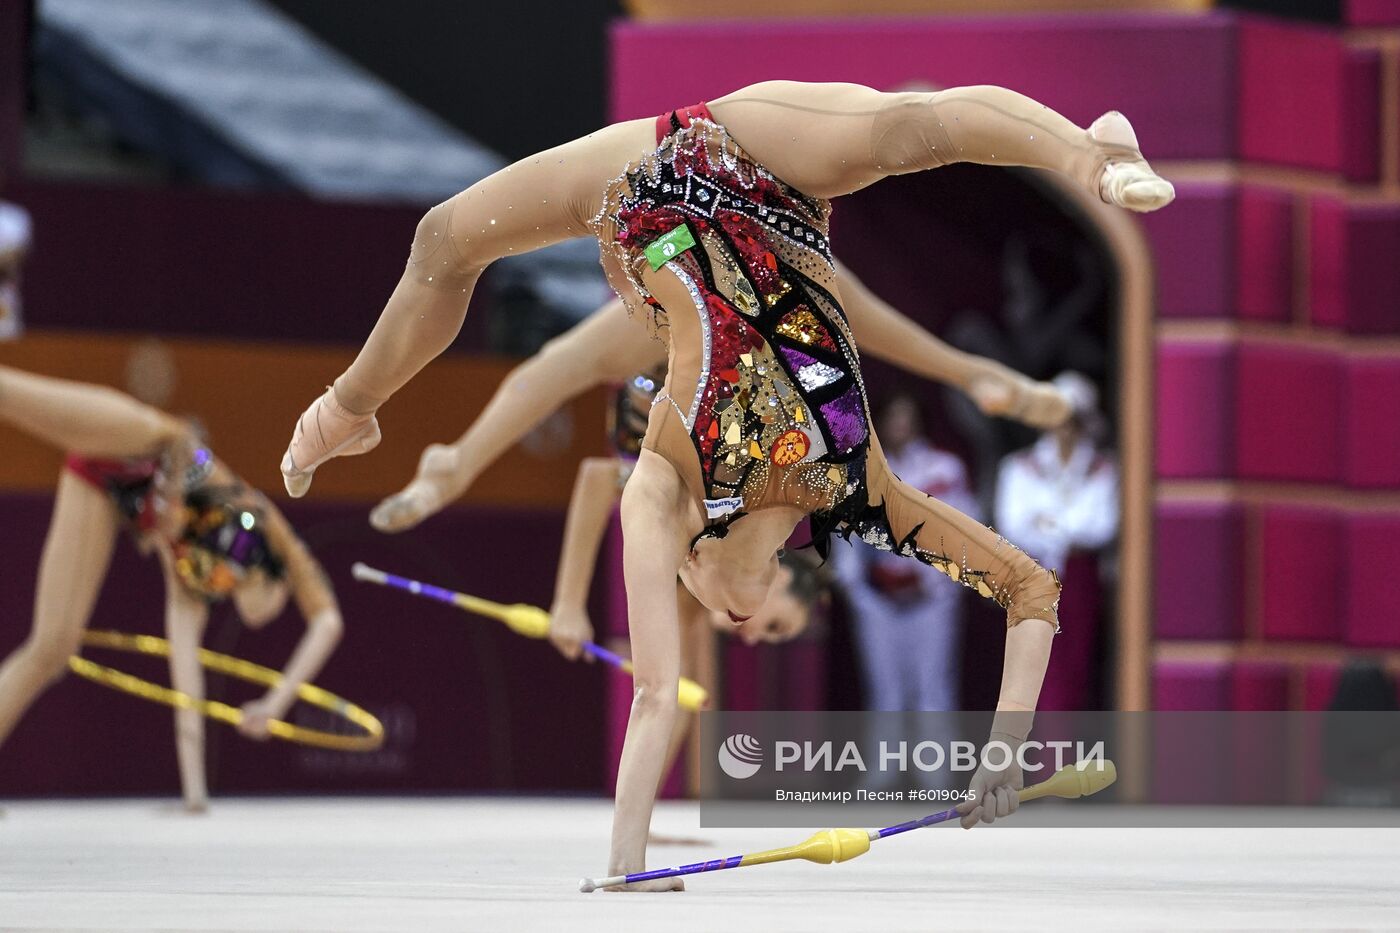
777, 415
767, 407
223, 537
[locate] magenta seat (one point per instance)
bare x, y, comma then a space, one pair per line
1373, 586
1191, 685
1302, 65
1361, 130
1264, 270
1198, 577
1303, 563
1193, 247
1261, 686
1327, 262
1372, 244
1288, 424
1372, 426
1195, 407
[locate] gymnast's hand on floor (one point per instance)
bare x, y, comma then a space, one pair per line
569, 628
996, 794
1010, 395
439, 481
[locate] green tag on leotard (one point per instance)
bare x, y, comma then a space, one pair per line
668, 246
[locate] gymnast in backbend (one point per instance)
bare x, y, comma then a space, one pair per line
714, 219
131, 466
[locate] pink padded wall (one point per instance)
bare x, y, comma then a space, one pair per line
1372, 245
1260, 685
1288, 417
1304, 560
1319, 683
1193, 245
1080, 65
1372, 425
1291, 95
1327, 262
1191, 685
1264, 254
1372, 12
1352, 277
1195, 403
1197, 580
1361, 126
1371, 580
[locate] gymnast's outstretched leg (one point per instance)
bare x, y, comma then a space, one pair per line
85, 419
831, 139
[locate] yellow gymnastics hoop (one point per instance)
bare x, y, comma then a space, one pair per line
234, 667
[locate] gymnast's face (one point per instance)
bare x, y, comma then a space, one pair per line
259, 599
782, 617
736, 574
735, 590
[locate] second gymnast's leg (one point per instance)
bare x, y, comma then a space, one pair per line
832, 139
539, 200
74, 563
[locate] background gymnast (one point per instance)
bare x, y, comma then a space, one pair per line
132, 466
715, 217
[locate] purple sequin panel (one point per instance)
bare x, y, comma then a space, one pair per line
845, 418
796, 359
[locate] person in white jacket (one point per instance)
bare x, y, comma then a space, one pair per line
908, 616
1061, 494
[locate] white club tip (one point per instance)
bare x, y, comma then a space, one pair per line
362, 571
587, 886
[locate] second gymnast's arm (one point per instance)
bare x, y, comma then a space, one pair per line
311, 589
596, 490
888, 335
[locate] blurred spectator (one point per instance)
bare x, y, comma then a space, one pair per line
1061, 494
907, 616
14, 246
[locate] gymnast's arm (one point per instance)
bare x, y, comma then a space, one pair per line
655, 535
185, 617
996, 389
597, 488
311, 589
608, 346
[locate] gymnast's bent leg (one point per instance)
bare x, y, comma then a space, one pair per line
831, 139
539, 200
